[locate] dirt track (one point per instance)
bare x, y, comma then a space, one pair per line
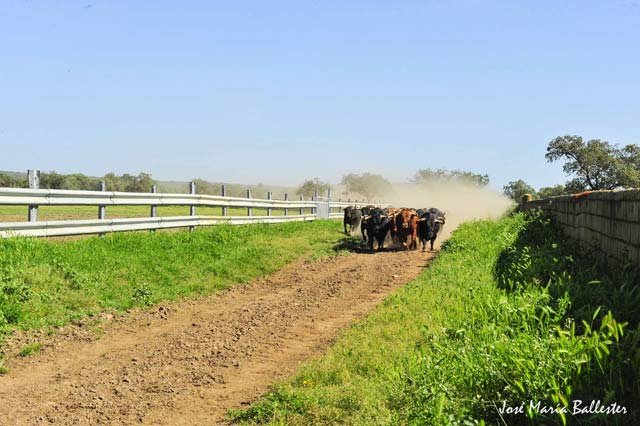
189, 362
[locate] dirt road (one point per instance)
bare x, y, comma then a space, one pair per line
187, 363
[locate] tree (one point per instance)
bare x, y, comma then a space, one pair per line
517, 188
82, 182
596, 164
444, 175
366, 184
204, 187
552, 191
52, 180
112, 182
140, 183
308, 188
128, 183
7, 181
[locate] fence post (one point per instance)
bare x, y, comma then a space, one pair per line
314, 210
192, 208
249, 209
329, 201
34, 183
223, 192
269, 195
102, 210
301, 208
154, 208
286, 198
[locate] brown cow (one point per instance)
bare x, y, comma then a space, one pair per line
406, 224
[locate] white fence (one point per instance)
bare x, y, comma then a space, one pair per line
306, 210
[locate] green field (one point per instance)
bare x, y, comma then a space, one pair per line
510, 312
47, 283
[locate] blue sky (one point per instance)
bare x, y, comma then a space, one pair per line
280, 91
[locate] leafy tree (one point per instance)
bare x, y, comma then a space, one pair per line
81, 182
52, 180
140, 183
596, 164
460, 176
308, 187
113, 182
128, 183
552, 191
204, 187
8, 181
517, 188
368, 185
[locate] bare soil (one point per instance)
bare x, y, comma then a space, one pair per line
187, 363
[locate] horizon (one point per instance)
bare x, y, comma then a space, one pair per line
283, 92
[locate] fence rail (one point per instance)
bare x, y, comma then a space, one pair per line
61, 197
99, 226
319, 208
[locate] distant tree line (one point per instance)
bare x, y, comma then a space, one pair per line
591, 166
138, 183
77, 181
426, 176
9, 181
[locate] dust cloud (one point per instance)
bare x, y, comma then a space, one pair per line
461, 202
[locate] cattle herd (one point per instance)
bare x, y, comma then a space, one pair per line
405, 225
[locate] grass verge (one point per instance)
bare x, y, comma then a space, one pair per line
510, 314
46, 283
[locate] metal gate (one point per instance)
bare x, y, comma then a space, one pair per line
322, 208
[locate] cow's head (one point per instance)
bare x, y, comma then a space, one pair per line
406, 217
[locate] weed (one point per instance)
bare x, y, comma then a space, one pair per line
30, 349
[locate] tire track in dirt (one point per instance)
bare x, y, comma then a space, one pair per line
187, 363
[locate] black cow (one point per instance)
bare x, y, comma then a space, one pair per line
352, 218
364, 224
429, 224
439, 213
378, 225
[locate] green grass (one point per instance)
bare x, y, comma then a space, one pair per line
509, 311
30, 349
46, 283
19, 213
